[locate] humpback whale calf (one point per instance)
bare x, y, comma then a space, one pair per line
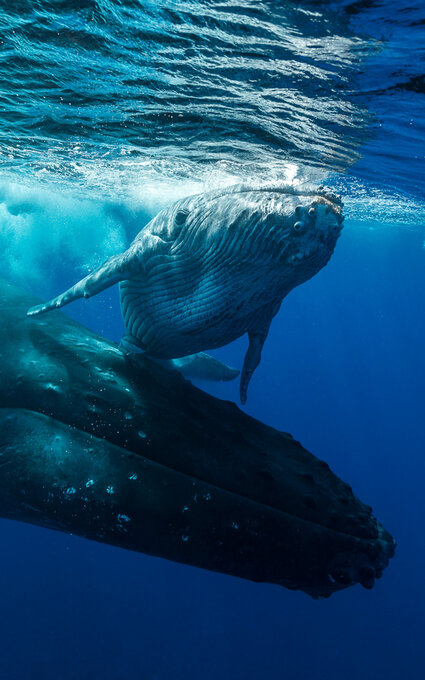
213, 267
119, 449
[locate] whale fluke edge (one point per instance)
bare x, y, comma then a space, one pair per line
118, 449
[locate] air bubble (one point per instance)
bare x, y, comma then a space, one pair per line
123, 518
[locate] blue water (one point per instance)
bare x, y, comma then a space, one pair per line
109, 110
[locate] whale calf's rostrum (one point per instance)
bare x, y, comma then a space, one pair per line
119, 449
215, 266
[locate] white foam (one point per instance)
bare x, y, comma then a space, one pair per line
46, 228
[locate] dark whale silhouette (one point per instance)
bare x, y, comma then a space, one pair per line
119, 449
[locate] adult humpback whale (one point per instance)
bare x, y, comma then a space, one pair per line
215, 266
119, 449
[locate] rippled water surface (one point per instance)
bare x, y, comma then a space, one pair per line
114, 93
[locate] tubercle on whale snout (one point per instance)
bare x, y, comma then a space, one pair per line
369, 565
363, 564
330, 195
320, 195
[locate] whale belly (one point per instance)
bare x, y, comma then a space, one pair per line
171, 321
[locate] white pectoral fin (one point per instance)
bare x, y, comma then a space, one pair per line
204, 367
112, 271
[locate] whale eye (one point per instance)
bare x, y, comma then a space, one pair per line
298, 226
180, 217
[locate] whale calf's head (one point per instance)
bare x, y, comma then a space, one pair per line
296, 228
312, 234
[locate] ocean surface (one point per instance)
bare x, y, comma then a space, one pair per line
111, 109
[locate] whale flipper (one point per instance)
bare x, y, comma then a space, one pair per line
257, 336
204, 367
200, 366
112, 271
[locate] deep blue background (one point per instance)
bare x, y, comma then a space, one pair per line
87, 101
343, 371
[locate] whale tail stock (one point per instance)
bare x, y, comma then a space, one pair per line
110, 272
